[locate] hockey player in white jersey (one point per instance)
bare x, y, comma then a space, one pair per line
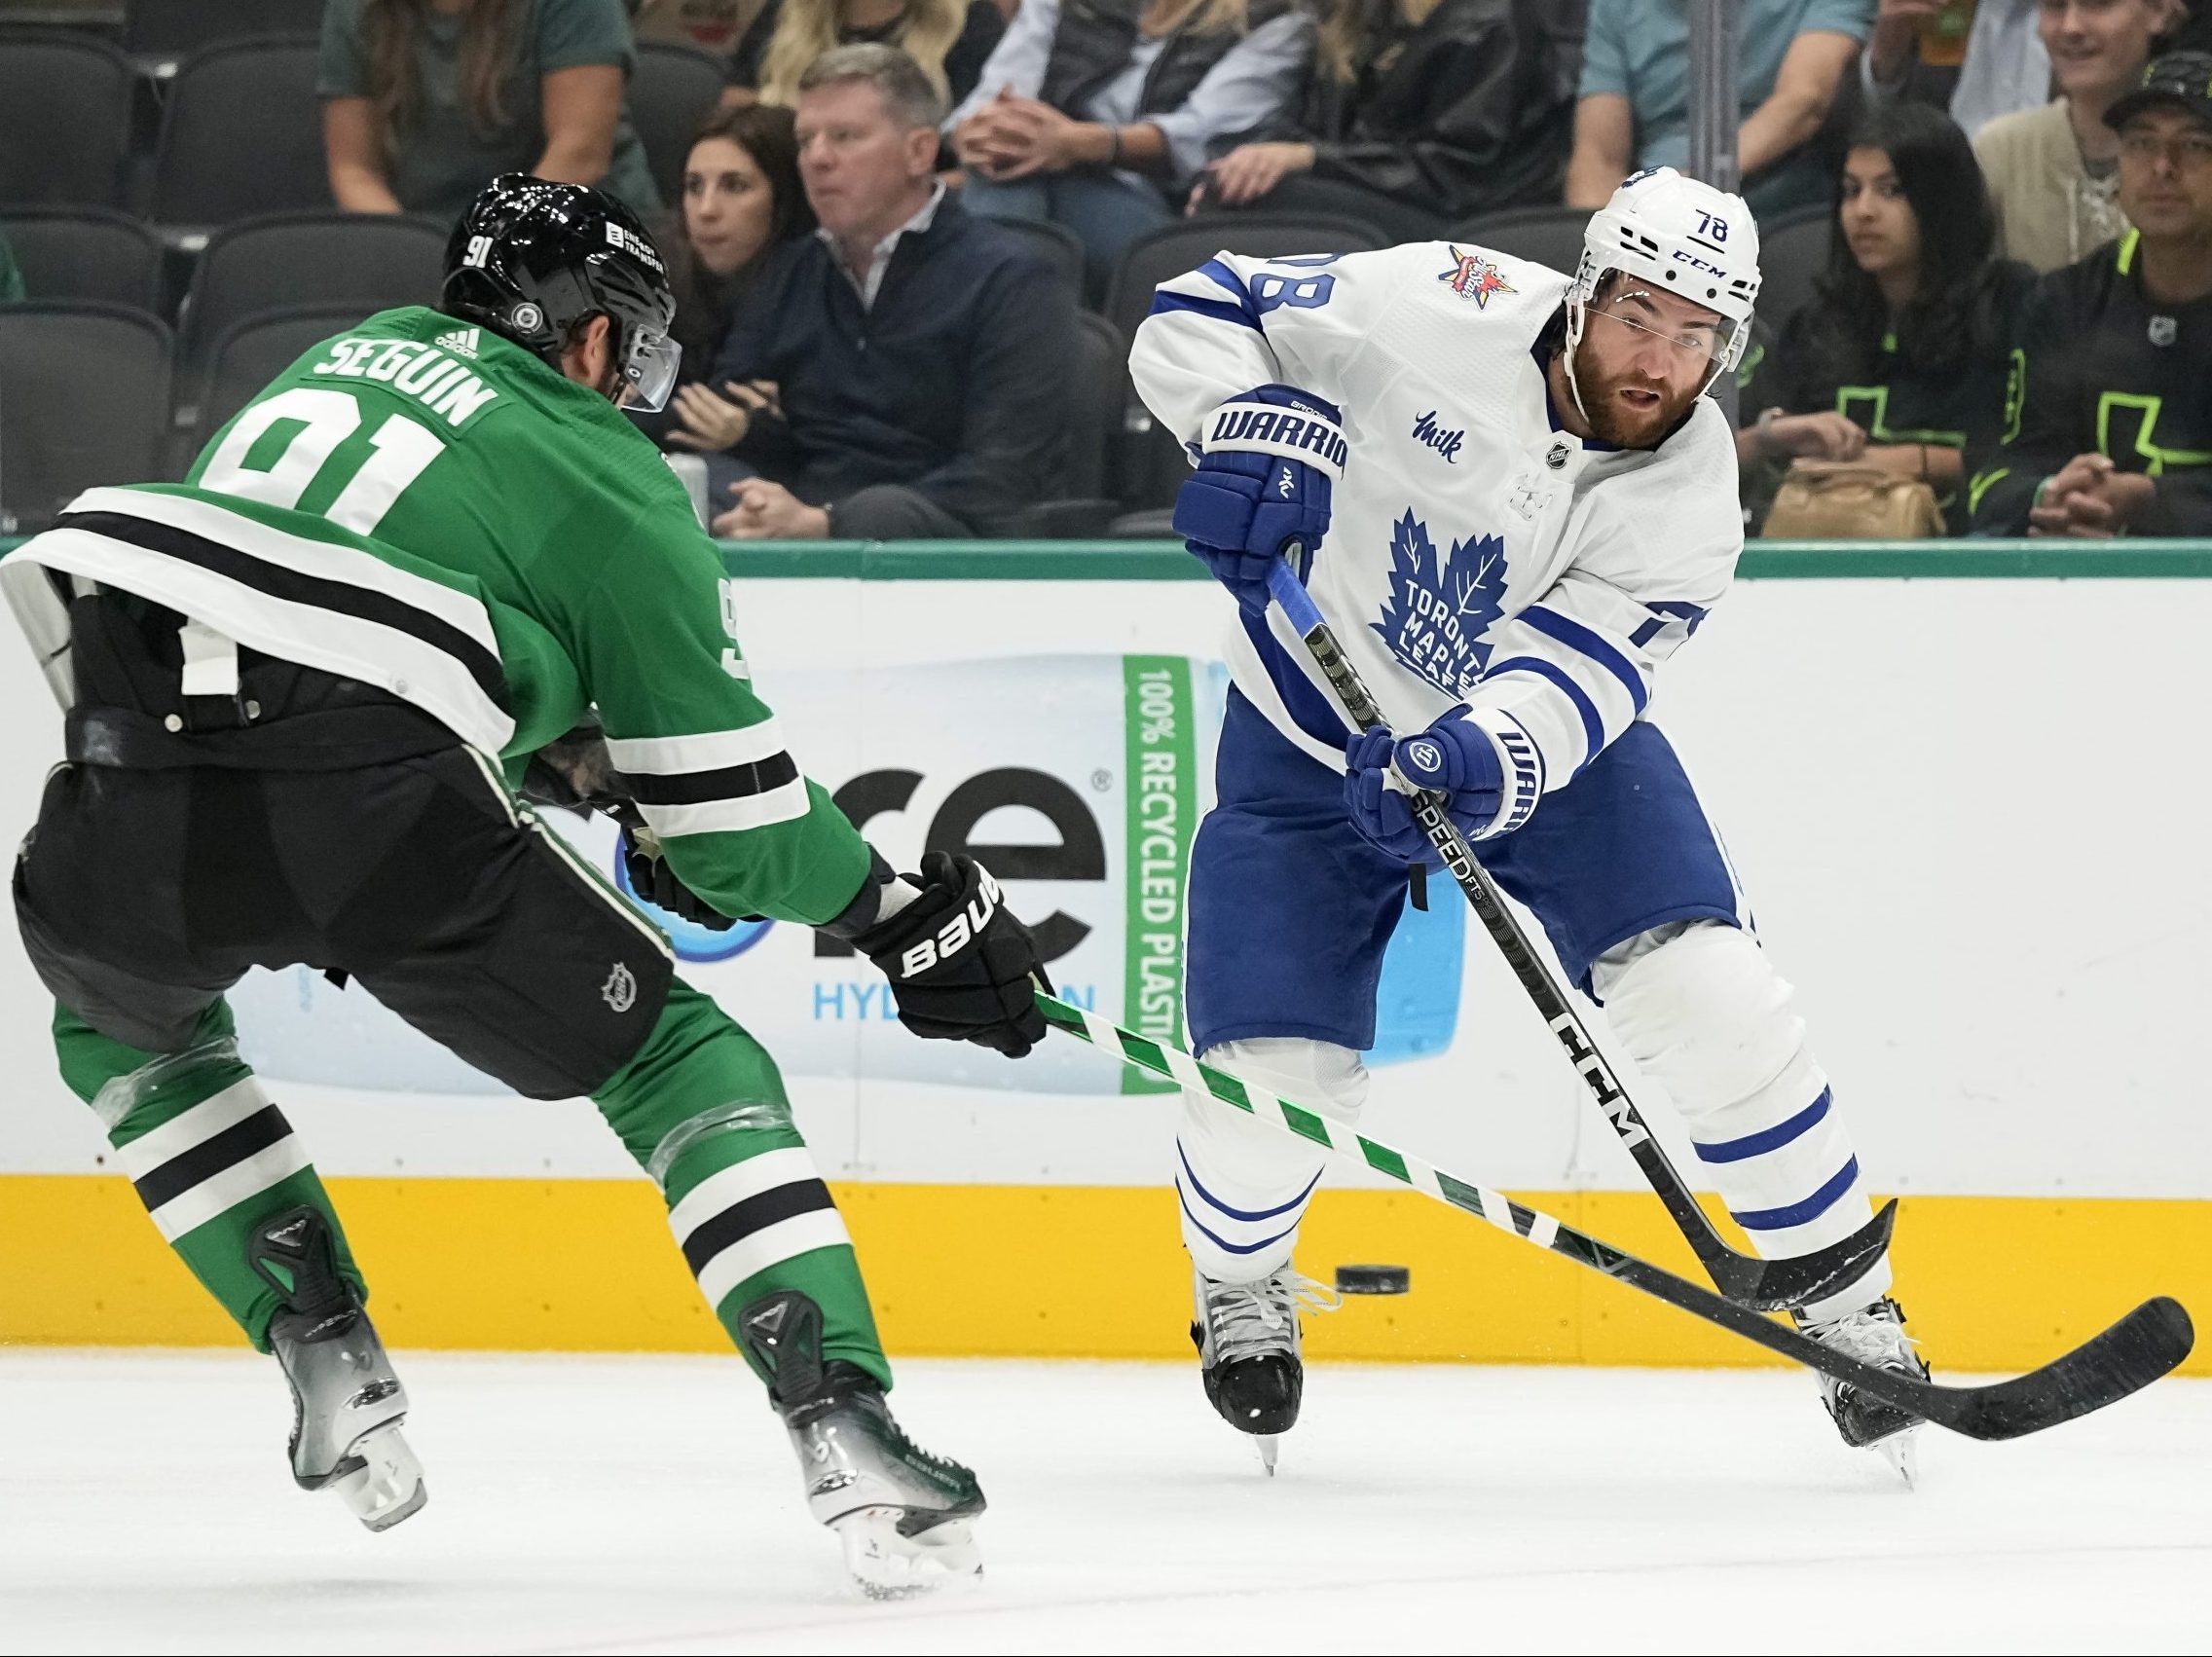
1517, 503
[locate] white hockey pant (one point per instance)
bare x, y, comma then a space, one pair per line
1702, 1012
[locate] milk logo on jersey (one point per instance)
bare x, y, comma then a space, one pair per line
461, 341
1444, 442
1441, 604
1474, 277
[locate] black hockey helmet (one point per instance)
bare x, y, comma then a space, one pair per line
530, 259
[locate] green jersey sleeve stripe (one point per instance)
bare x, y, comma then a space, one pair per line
709, 751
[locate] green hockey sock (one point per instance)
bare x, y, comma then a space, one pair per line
211, 1157
702, 1107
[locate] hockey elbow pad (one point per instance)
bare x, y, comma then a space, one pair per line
1269, 461
962, 967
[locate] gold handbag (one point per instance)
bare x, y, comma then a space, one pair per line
1848, 501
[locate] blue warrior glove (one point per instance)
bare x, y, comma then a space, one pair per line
1265, 469
1453, 756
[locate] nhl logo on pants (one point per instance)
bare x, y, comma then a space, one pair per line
620, 991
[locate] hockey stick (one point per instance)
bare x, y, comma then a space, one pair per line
2125, 1358
1766, 1285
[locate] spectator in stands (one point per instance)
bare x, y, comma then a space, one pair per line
1099, 116
2114, 429
951, 39
1899, 361
1635, 108
1419, 113
2052, 170
742, 198
424, 100
919, 353
1997, 66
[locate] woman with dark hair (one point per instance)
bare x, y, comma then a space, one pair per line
426, 100
1900, 359
742, 195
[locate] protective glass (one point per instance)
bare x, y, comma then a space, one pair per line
648, 369
1703, 346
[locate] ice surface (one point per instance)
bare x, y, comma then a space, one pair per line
650, 1505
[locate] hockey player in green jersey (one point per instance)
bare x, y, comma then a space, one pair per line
300, 688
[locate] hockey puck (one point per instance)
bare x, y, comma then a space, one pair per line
1374, 1279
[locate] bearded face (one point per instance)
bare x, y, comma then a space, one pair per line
1644, 361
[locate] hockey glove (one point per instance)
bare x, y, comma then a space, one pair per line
1454, 757
651, 879
1267, 467
961, 966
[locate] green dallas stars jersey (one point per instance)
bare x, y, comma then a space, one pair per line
422, 505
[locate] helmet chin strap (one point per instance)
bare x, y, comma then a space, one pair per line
1577, 316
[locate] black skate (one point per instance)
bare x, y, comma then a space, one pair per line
346, 1403
1873, 1335
901, 1514
1248, 1345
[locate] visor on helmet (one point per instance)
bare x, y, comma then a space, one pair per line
649, 362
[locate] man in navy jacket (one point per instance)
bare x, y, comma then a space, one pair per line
905, 369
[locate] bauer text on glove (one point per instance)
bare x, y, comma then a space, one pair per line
962, 967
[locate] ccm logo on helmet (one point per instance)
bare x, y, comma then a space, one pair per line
957, 933
1697, 264
634, 245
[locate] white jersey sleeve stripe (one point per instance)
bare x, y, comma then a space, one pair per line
709, 751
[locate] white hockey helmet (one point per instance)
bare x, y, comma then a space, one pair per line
1682, 237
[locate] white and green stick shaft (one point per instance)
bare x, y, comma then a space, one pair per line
2133, 1353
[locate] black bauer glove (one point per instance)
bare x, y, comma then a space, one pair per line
962, 967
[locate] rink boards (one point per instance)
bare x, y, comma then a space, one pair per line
1962, 787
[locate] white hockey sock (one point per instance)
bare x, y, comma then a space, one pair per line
1243, 1187
1705, 1016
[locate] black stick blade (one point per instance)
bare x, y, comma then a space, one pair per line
2148, 1343
1780, 1285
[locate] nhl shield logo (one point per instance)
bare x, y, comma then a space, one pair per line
2164, 330
620, 991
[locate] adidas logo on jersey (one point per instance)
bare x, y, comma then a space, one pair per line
461, 341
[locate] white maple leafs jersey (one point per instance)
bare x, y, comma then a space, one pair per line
1476, 553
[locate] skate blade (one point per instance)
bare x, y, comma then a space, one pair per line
387, 1487
887, 1566
1269, 1446
1901, 1451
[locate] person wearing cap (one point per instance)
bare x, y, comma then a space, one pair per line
2110, 429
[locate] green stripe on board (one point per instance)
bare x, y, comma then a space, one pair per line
1166, 561
1160, 784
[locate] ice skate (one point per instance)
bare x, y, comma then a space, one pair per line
346, 1403
901, 1514
1873, 1335
1247, 1338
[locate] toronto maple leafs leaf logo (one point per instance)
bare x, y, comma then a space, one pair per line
1440, 605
